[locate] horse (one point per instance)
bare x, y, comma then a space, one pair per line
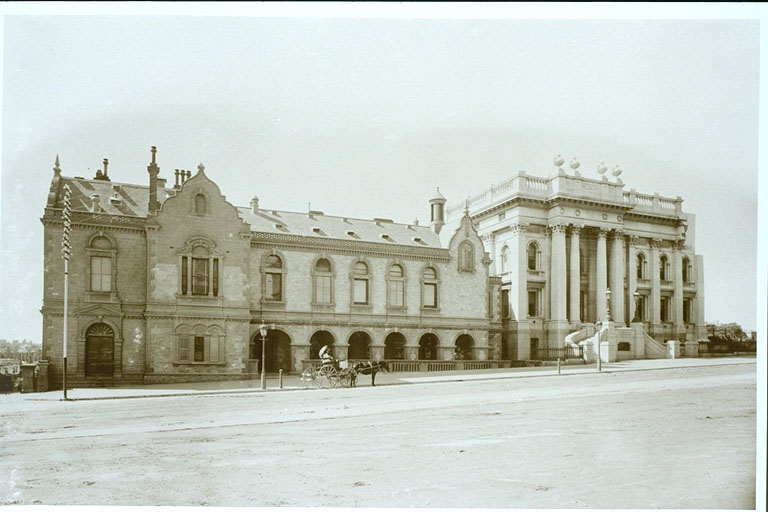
368, 368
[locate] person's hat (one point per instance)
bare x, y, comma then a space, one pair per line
323, 350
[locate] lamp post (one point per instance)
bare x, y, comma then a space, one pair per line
607, 304
263, 332
637, 307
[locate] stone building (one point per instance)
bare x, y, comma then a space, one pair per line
172, 283
559, 244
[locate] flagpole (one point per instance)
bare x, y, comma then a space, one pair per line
66, 249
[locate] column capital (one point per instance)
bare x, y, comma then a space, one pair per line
575, 229
518, 228
560, 229
617, 234
632, 240
655, 243
602, 233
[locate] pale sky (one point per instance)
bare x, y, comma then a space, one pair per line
364, 117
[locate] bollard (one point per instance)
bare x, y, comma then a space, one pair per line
599, 363
280, 375
558, 366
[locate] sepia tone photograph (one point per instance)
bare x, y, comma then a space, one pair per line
371, 255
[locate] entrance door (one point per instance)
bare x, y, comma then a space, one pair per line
100, 351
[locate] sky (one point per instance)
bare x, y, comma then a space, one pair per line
364, 111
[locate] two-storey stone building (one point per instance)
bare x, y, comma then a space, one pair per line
172, 283
558, 244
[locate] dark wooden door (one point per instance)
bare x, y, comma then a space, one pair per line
99, 356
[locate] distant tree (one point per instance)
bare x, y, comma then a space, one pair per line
730, 337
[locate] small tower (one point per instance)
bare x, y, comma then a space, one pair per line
255, 204
437, 212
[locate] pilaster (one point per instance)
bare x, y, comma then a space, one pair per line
602, 278
617, 277
655, 305
632, 281
575, 282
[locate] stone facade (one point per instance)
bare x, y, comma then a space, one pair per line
172, 283
558, 244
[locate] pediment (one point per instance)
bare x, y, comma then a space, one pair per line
99, 310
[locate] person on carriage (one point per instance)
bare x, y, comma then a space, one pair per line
327, 359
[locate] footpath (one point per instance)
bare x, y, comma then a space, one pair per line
294, 382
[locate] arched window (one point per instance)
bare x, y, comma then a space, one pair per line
664, 268
273, 278
360, 284
101, 255
199, 268
464, 346
687, 270
200, 206
641, 266
323, 282
504, 259
466, 257
396, 286
394, 346
533, 256
429, 288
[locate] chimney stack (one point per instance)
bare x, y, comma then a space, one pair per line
95, 203
153, 171
255, 204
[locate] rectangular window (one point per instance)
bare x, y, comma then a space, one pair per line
183, 348
664, 309
533, 303
274, 289
640, 307
199, 349
215, 278
360, 291
199, 276
396, 295
184, 275
323, 289
430, 295
686, 311
101, 274
583, 305
505, 303
213, 353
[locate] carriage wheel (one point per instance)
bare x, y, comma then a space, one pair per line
309, 376
346, 376
329, 377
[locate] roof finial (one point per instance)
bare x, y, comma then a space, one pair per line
201, 167
154, 153
466, 206
56, 168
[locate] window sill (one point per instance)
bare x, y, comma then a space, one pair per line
198, 299
360, 308
400, 310
101, 296
197, 363
323, 306
429, 311
276, 305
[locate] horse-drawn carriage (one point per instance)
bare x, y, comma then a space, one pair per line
341, 374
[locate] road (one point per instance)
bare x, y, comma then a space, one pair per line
672, 438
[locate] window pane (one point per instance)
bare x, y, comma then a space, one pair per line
274, 289
213, 355
183, 348
184, 275
532, 257
533, 303
199, 348
199, 276
101, 274
430, 295
323, 289
361, 268
361, 291
273, 262
323, 265
200, 204
396, 293
215, 278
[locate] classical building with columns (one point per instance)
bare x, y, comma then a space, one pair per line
170, 283
570, 250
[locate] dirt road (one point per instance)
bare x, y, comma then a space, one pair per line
676, 438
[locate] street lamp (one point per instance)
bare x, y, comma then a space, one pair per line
263, 332
637, 307
607, 304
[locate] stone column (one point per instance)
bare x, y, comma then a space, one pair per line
655, 305
557, 280
678, 302
518, 294
632, 281
602, 278
489, 241
617, 278
575, 267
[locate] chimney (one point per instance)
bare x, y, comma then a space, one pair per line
255, 204
106, 163
95, 203
153, 171
176, 173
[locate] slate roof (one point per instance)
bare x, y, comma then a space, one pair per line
134, 201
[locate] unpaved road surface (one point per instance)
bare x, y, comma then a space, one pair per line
674, 438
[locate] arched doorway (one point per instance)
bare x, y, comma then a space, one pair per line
464, 344
428, 347
394, 346
277, 353
359, 345
99, 351
317, 341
